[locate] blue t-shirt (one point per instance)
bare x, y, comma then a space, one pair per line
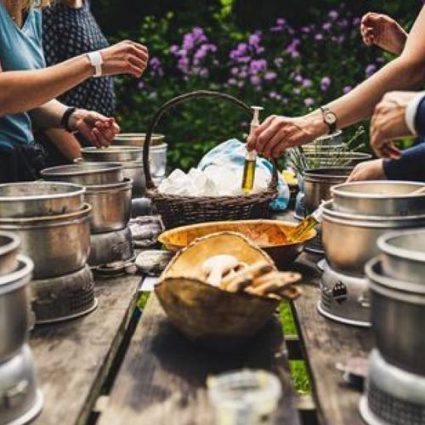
20, 49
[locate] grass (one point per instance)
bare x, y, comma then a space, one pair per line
298, 368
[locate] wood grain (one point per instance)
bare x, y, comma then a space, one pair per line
325, 343
74, 357
162, 379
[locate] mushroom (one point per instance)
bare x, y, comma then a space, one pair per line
216, 267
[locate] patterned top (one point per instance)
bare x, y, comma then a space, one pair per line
69, 32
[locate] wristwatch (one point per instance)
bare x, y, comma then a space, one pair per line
65, 119
96, 60
329, 118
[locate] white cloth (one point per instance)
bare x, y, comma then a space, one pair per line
411, 111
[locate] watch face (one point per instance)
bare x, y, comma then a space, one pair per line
330, 118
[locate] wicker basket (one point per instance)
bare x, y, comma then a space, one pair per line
183, 210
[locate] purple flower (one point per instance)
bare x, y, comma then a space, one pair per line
232, 82
141, 85
279, 25
370, 69
255, 39
309, 102
174, 49
257, 66
318, 37
306, 83
255, 80
292, 48
325, 83
356, 22
326, 26
333, 14
270, 76
298, 78
347, 89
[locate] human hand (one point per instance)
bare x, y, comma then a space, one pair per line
389, 123
277, 133
95, 127
384, 32
368, 170
126, 57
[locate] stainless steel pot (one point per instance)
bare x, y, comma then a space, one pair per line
33, 199
85, 173
113, 154
137, 139
379, 198
318, 183
403, 255
21, 400
349, 241
398, 319
108, 248
111, 206
58, 244
134, 171
9, 246
14, 308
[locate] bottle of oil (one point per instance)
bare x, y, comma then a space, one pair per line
251, 156
308, 223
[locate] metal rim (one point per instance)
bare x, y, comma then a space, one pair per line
365, 220
385, 246
112, 149
76, 169
341, 155
32, 413
367, 414
339, 319
124, 136
337, 133
316, 173
338, 190
33, 222
79, 190
14, 243
17, 278
124, 185
393, 288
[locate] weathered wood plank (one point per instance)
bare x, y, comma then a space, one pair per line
162, 379
73, 358
325, 343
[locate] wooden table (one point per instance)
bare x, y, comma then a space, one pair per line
132, 371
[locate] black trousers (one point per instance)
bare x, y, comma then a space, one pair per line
23, 162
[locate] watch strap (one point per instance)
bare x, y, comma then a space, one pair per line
97, 61
65, 119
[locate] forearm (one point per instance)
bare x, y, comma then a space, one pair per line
67, 143
49, 115
25, 90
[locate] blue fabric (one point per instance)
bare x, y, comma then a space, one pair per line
411, 166
234, 151
420, 118
20, 49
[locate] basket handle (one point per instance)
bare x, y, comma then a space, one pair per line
173, 103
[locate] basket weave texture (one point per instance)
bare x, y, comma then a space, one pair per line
183, 210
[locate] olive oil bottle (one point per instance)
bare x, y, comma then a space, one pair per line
248, 177
299, 232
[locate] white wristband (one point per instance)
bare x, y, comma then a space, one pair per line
411, 111
97, 61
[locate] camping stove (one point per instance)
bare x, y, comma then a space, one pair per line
64, 297
20, 400
344, 298
108, 249
393, 396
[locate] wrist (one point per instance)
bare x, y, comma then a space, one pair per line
74, 118
317, 126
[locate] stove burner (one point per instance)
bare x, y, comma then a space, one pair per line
63, 298
117, 268
344, 299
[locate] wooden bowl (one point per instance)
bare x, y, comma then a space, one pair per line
267, 234
204, 313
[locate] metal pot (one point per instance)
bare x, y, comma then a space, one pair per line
137, 139
328, 139
134, 171
108, 248
111, 206
341, 159
113, 154
379, 198
158, 160
318, 183
9, 246
33, 199
14, 308
349, 241
85, 173
403, 255
398, 319
21, 400
58, 245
